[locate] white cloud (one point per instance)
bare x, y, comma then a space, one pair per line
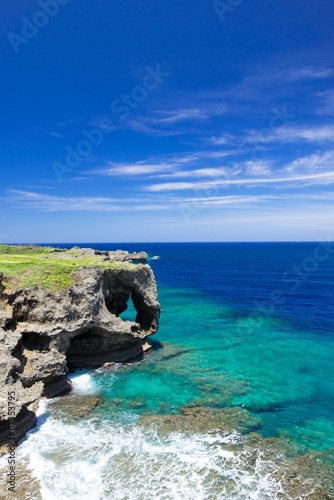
49, 203
177, 121
134, 169
223, 139
327, 108
311, 73
165, 166
316, 162
200, 172
288, 134
317, 168
257, 167
182, 115
305, 179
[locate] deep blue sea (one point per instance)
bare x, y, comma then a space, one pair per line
247, 325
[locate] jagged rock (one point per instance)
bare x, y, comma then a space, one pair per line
45, 334
117, 255
137, 257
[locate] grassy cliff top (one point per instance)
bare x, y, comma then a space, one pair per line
29, 265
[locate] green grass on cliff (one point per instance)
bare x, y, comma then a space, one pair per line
27, 266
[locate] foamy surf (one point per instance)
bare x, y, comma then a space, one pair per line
83, 382
104, 459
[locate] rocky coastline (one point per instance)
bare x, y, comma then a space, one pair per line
47, 331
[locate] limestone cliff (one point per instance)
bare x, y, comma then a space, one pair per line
44, 334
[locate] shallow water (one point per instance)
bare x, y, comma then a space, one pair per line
223, 342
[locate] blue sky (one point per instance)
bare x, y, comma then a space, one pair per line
139, 121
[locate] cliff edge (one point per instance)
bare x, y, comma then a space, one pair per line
63, 313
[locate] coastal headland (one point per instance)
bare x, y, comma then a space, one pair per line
59, 311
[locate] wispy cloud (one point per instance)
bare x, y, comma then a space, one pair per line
201, 172
265, 83
225, 138
171, 205
190, 112
182, 115
315, 169
282, 134
167, 165
316, 162
53, 133
312, 179
70, 122
134, 169
49, 203
289, 134
310, 73
146, 126
327, 106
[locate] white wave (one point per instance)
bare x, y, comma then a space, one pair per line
42, 406
99, 460
83, 383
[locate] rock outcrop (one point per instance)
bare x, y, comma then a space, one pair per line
116, 256
45, 334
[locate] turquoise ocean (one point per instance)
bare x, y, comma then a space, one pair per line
246, 326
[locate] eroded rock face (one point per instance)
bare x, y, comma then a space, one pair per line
43, 335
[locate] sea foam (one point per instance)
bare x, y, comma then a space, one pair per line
103, 459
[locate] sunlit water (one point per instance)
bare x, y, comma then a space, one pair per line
216, 347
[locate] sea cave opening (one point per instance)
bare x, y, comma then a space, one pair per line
130, 313
83, 348
123, 305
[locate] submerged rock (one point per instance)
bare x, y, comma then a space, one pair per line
74, 406
281, 463
202, 420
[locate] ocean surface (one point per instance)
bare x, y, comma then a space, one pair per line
244, 326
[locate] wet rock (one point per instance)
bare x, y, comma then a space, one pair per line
309, 476
202, 420
116, 402
74, 407
147, 346
210, 401
26, 487
136, 403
